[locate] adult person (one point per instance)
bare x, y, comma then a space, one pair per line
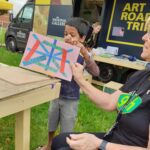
96, 30
63, 111
92, 37
132, 102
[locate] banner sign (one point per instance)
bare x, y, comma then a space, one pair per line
58, 15
127, 22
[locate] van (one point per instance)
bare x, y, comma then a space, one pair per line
46, 17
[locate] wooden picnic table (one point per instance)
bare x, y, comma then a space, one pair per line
137, 65
20, 90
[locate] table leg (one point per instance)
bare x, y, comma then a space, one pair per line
22, 130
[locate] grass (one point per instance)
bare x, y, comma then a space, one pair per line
2, 35
90, 118
9, 58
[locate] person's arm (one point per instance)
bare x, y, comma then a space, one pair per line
86, 141
103, 100
92, 67
112, 146
90, 64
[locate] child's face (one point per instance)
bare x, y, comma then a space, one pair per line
72, 36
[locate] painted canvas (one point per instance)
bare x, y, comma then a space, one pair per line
49, 56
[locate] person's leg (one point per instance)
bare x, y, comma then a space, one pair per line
50, 138
53, 121
68, 115
59, 142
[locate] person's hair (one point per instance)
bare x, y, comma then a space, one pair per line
96, 23
80, 24
148, 24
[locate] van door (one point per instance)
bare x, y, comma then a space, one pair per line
18, 30
24, 22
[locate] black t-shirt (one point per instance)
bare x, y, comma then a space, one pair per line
133, 127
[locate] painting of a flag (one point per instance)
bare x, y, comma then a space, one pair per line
49, 56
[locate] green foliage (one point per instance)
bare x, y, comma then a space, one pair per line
90, 118
9, 58
7, 133
39, 123
2, 35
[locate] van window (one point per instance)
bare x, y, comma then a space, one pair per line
25, 15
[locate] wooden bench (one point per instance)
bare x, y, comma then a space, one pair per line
100, 83
111, 86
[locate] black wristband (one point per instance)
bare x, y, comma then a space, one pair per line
103, 145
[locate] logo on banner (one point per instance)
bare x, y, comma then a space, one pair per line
58, 21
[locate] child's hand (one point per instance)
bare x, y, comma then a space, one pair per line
83, 51
82, 47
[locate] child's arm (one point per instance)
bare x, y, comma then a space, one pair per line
92, 67
90, 64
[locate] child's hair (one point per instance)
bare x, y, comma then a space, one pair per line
80, 24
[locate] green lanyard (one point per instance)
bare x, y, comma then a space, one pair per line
126, 104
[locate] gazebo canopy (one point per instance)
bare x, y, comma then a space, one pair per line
5, 5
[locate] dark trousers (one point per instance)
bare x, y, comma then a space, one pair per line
59, 142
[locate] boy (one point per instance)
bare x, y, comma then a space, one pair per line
64, 109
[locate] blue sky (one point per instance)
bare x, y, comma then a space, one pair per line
17, 5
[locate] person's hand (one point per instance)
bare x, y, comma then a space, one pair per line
84, 141
83, 49
77, 71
